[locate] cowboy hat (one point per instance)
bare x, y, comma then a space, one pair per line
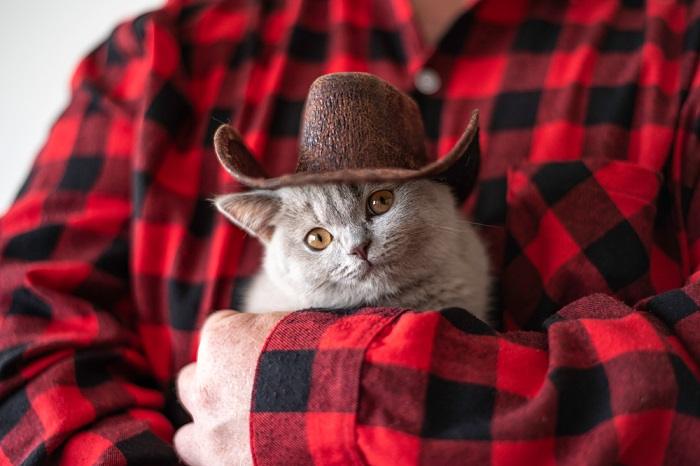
357, 128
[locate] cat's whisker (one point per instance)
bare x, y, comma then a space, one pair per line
483, 224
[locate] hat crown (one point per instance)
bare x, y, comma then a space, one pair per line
356, 120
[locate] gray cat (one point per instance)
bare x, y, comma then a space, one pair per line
376, 244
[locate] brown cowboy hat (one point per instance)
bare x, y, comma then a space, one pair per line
356, 128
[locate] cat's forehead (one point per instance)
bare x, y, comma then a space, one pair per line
329, 202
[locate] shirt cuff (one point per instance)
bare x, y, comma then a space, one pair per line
305, 396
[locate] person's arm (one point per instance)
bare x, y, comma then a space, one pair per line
603, 383
75, 386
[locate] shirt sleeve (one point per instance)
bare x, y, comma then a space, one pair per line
75, 386
603, 383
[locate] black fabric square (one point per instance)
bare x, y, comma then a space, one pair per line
286, 119
616, 40
114, 55
37, 457
466, 321
633, 3
612, 105
536, 35
431, 113
672, 306
141, 182
691, 42
619, 256
490, 206
250, 47
217, 117
115, 259
10, 359
92, 367
138, 26
307, 45
34, 245
240, 287
512, 249
554, 180
183, 303
545, 309
173, 409
146, 448
584, 399
688, 399
95, 103
386, 45
25, 302
12, 409
515, 110
171, 109
458, 411
452, 43
283, 381
202, 221
81, 173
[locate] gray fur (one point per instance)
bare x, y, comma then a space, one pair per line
424, 254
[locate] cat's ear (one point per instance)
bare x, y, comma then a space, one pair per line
253, 211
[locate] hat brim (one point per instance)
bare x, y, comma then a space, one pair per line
460, 162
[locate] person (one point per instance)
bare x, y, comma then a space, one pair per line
112, 256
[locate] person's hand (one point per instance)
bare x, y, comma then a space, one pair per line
217, 389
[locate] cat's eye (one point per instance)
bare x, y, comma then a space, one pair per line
318, 239
380, 202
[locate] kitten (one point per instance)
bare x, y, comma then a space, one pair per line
375, 244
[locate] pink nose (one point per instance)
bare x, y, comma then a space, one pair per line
360, 250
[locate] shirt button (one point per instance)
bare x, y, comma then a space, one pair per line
428, 81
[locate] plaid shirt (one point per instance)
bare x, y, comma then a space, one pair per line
112, 256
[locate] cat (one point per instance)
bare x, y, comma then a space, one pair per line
386, 244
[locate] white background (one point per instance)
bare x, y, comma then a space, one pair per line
41, 42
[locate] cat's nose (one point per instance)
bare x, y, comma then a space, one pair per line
360, 250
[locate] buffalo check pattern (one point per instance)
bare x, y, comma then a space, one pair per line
111, 256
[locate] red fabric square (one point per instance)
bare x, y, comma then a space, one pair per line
120, 139
330, 437
61, 140
658, 71
612, 338
156, 246
590, 13
220, 24
62, 409
357, 12
102, 214
351, 331
569, 67
84, 448
643, 437
521, 369
179, 172
648, 145
631, 187
552, 246
475, 77
407, 343
157, 344
514, 453
556, 141
380, 445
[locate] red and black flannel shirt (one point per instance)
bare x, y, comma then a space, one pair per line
112, 256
